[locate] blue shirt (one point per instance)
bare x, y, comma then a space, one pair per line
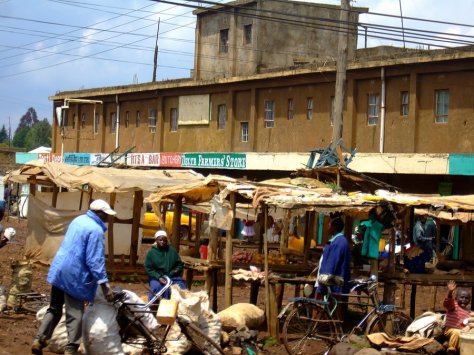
337, 262
79, 265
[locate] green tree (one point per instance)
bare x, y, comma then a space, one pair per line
20, 136
3, 135
38, 135
28, 120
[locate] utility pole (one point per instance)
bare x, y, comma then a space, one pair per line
155, 57
9, 132
341, 72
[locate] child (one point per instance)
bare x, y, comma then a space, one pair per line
456, 313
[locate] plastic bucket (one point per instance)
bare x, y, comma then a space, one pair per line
466, 343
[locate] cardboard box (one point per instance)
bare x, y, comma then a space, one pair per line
167, 311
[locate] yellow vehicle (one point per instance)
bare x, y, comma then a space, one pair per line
150, 225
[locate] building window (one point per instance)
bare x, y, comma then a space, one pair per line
96, 123
174, 119
127, 119
269, 113
244, 131
137, 119
222, 116
224, 41
404, 103
248, 34
309, 108
152, 121
291, 107
113, 122
74, 121
332, 105
442, 106
83, 121
374, 108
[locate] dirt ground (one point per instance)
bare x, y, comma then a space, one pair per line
17, 330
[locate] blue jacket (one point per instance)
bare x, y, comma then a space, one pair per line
337, 262
79, 265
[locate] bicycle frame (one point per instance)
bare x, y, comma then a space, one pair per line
330, 303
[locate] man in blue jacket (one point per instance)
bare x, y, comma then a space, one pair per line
77, 269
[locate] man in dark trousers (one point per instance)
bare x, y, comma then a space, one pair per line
75, 273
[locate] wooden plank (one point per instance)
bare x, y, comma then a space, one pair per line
228, 257
54, 198
110, 233
136, 212
267, 289
413, 301
178, 207
272, 311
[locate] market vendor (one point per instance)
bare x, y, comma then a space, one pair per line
163, 260
334, 270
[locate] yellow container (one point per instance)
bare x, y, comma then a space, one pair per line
382, 245
167, 311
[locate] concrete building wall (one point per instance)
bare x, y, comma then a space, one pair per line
457, 135
245, 99
283, 34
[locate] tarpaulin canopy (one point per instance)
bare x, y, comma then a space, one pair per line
105, 180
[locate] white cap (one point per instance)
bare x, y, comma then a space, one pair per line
101, 205
9, 233
161, 233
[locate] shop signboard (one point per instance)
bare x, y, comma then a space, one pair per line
214, 160
170, 160
143, 159
50, 157
77, 158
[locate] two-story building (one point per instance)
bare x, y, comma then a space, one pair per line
409, 113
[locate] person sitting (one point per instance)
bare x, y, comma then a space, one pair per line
456, 314
163, 260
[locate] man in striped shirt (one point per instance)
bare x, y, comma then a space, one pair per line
456, 313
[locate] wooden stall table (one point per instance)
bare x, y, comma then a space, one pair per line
194, 264
462, 280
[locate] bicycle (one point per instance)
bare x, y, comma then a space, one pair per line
134, 332
312, 328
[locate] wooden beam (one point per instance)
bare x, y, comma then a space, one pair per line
136, 212
110, 232
175, 236
54, 198
228, 256
267, 287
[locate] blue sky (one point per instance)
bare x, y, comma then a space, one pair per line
56, 45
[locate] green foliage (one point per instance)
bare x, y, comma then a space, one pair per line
19, 137
3, 135
28, 120
38, 135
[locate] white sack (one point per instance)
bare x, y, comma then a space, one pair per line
242, 314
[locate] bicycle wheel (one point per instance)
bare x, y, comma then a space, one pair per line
308, 329
393, 323
200, 340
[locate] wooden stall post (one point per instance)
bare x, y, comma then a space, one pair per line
211, 275
54, 201
228, 256
307, 239
136, 213
390, 286
285, 230
178, 206
110, 233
